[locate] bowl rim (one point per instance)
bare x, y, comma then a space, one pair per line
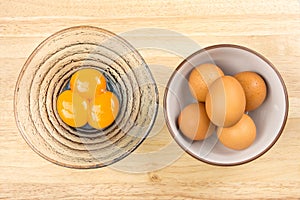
24, 67
236, 47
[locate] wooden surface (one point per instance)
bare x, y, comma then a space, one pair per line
270, 27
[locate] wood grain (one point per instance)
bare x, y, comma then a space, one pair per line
270, 27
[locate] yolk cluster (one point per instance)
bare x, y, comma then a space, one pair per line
88, 101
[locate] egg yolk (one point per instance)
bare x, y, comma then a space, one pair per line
88, 83
103, 110
72, 108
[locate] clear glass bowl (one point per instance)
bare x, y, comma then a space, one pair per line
46, 73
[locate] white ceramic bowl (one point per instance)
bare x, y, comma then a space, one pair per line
270, 117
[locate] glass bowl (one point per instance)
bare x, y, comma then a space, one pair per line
46, 73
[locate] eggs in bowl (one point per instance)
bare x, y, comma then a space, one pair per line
269, 118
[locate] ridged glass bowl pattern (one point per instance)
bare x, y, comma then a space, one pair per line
47, 72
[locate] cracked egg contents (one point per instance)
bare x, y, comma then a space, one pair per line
87, 101
227, 98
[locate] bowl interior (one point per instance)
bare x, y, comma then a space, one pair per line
269, 118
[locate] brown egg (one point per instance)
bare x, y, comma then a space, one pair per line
254, 87
194, 123
239, 136
200, 79
225, 101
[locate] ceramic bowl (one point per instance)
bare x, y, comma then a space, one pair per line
47, 72
270, 118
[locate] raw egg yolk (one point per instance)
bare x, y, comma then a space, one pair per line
88, 83
72, 108
103, 110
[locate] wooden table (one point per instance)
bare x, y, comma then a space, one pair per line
270, 27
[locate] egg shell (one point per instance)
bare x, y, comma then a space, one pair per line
239, 136
201, 78
225, 102
194, 123
254, 87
